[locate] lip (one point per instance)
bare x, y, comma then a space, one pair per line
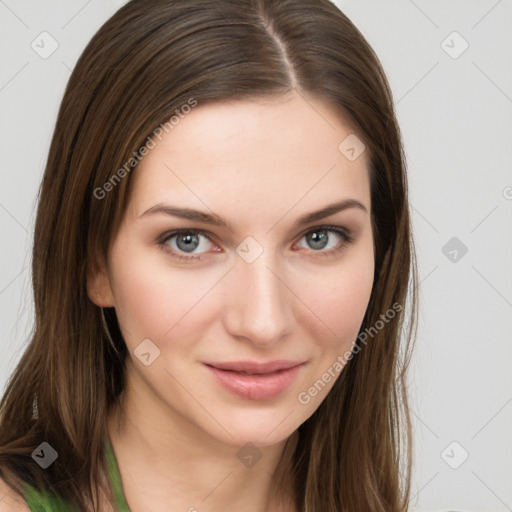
255, 367
269, 380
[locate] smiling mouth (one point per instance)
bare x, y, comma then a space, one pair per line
255, 367
251, 373
256, 386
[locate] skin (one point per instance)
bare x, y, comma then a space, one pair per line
260, 165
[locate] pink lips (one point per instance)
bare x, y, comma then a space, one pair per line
256, 381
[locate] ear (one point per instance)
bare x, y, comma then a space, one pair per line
99, 289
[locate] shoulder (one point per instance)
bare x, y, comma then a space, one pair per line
10, 500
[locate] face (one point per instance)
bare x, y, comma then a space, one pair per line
262, 284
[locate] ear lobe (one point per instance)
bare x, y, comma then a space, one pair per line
98, 285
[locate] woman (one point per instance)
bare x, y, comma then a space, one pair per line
220, 268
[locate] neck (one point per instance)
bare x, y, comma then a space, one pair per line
168, 463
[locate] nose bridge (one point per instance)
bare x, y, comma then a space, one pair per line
260, 308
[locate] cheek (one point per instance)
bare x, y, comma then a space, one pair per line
336, 299
152, 298
339, 300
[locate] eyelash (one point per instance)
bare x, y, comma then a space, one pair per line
343, 233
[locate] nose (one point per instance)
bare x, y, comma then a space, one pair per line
259, 306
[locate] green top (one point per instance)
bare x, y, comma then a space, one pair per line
43, 501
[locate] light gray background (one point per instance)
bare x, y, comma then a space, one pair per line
455, 112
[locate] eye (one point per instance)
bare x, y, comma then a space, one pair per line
185, 241
182, 243
321, 237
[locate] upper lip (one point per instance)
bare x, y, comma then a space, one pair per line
255, 367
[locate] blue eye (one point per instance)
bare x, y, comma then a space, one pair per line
318, 238
187, 240
182, 243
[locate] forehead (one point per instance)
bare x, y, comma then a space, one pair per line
262, 155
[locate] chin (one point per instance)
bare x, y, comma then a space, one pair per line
255, 426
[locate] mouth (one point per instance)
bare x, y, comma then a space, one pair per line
254, 381
256, 368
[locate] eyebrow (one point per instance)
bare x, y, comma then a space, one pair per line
216, 220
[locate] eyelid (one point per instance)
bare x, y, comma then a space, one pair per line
328, 227
174, 232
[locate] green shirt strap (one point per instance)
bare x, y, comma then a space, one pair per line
45, 501
115, 479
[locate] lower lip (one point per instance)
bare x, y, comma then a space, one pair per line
256, 387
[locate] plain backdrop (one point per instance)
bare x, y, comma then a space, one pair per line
449, 66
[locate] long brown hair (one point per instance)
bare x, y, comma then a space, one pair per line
147, 61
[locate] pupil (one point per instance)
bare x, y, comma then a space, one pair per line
190, 240
319, 237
